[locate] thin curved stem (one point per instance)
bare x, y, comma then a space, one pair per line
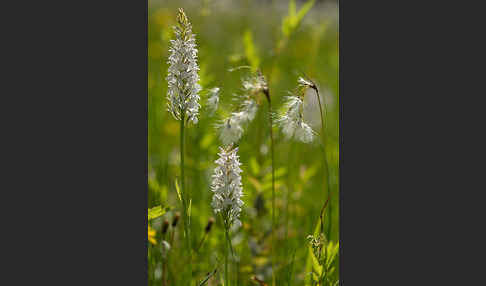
326, 164
272, 143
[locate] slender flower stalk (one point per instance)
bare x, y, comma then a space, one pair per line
207, 229
227, 192
183, 100
232, 129
274, 223
171, 234
309, 84
253, 85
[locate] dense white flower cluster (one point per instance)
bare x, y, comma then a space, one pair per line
182, 78
231, 129
292, 122
227, 186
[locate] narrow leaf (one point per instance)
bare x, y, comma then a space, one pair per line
303, 11
155, 212
178, 190
250, 50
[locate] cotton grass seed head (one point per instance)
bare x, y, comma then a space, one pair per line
305, 83
213, 100
182, 78
232, 128
255, 83
292, 121
227, 187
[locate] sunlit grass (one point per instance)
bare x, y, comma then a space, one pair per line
231, 34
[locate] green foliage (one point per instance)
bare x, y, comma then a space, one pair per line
293, 19
178, 190
243, 33
251, 50
155, 212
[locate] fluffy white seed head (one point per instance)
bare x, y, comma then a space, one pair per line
227, 187
213, 100
292, 121
305, 83
182, 78
254, 84
304, 132
232, 128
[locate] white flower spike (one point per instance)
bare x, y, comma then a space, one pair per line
183, 88
227, 186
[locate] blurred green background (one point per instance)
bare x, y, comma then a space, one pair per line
284, 45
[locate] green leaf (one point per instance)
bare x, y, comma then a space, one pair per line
332, 250
293, 19
309, 173
315, 263
254, 166
178, 190
206, 141
153, 185
190, 208
278, 173
309, 263
303, 11
155, 212
292, 8
250, 50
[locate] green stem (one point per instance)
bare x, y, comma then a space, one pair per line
185, 198
267, 94
326, 165
226, 243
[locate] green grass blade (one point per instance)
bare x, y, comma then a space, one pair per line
155, 212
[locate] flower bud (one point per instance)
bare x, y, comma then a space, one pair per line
209, 225
176, 219
165, 226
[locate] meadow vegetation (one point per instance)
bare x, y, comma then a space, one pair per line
269, 113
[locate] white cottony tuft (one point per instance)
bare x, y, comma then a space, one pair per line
255, 83
231, 129
305, 83
183, 78
304, 132
292, 121
213, 100
227, 186
249, 108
